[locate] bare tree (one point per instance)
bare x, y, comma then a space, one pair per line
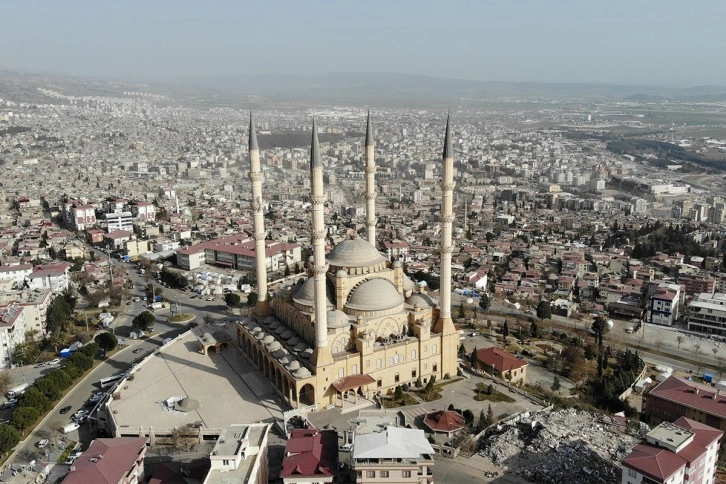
697, 351
680, 339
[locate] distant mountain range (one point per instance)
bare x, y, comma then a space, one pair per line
385, 88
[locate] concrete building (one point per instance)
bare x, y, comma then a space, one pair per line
393, 454
311, 456
708, 313
35, 308
240, 455
357, 326
238, 252
664, 305
684, 451
696, 283
676, 397
79, 216
118, 461
119, 221
51, 276
12, 331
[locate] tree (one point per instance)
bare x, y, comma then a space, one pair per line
490, 415
543, 310
490, 389
5, 381
398, 393
484, 301
505, 330
473, 359
106, 341
9, 437
232, 299
697, 351
555, 384
534, 330
680, 339
144, 320
462, 310
36, 399
600, 327
468, 416
252, 299
24, 417
25, 353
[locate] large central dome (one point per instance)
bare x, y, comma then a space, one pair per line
354, 253
374, 295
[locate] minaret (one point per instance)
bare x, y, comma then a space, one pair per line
317, 198
445, 325
370, 183
262, 308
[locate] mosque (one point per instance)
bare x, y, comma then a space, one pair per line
357, 326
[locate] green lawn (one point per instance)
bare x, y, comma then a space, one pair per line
404, 402
496, 396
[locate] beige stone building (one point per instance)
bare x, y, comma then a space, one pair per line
357, 326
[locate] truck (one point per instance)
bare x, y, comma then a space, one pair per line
157, 306
70, 427
15, 392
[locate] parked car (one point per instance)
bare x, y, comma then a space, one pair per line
39, 365
53, 362
65, 409
81, 414
42, 443
137, 350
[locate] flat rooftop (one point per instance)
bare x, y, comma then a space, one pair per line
229, 444
227, 388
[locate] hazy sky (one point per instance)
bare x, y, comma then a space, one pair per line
660, 42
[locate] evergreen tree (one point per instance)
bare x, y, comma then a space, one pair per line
473, 359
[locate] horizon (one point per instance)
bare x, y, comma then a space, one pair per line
648, 44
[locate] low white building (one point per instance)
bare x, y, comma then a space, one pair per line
51, 276
120, 221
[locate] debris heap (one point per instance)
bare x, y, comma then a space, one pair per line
561, 446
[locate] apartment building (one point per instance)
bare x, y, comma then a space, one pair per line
51, 276
240, 455
664, 305
675, 397
35, 308
393, 454
79, 216
119, 460
708, 313
697, 283
238, 252
119, 221
12, 331
684, 451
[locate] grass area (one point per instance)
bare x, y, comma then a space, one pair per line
404, 402
181, 318
429, 396
495, 396
64, 455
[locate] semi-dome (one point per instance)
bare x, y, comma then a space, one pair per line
408, 284
268, 339
420, 300
354, 253
375, 294
337, 319
306, 294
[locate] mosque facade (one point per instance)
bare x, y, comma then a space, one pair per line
357, 326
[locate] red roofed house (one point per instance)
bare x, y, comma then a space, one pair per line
684, 451
664, 306
311, 455
117, 461
504, 364
675, 397
445, 421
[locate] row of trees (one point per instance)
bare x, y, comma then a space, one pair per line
43, 394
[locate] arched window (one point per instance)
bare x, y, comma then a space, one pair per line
354, 369
379, 363
390, 361
434, 349
341, 372
413, 354
395, 359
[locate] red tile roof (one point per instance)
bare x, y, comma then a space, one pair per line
106, 460
655, 462
692, 395
310, 453
444, 420
500, 359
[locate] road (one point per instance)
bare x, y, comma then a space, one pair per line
120, 361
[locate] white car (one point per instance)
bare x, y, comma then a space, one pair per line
53, 362
42, 443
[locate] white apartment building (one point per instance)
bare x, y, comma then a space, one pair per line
17, 273
143, 211
35, 307
52, 276
664, 305
120, 221
12, 331
708, 313
80, 217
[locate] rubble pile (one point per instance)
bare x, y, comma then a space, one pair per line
564, 445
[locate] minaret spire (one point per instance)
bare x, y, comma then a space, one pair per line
445, 324
262, 307
370, 182
317, 198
